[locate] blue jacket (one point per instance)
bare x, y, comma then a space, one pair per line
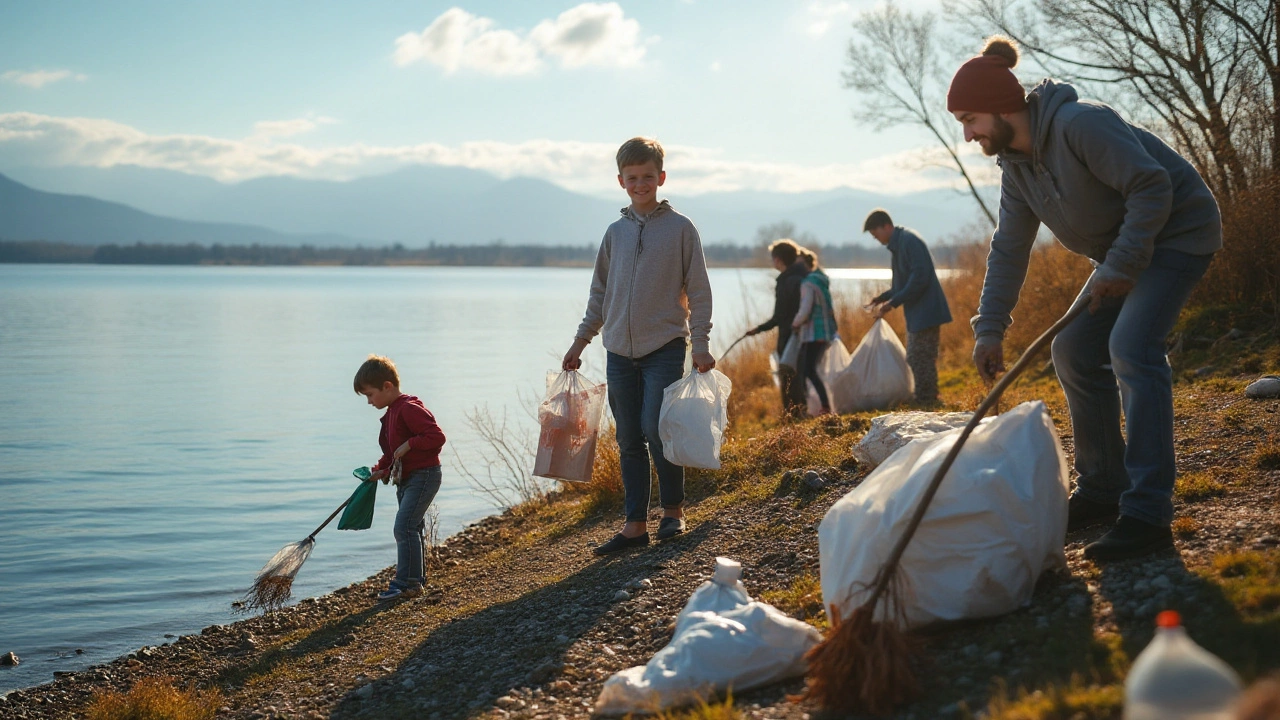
1107, 189
915, 284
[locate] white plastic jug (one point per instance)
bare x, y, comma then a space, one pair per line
1176, 679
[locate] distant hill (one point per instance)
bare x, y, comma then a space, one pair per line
419, 204
27, 214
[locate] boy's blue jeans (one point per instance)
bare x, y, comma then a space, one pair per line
414, 495
635, 397
1116, 358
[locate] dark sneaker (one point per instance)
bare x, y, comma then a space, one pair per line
1083, 513
1130, 538
670, 527
621, 542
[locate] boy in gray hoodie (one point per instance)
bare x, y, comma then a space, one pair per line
1117, 194
650, 297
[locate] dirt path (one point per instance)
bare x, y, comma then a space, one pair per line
520, 620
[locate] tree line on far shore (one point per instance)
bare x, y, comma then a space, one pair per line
495, 254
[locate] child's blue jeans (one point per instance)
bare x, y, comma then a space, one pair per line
635, 397
1116, 358
414, 495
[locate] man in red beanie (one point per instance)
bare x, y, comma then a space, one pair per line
1117, 194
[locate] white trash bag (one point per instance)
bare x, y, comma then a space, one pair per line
693, 417
877, 375
997, 522
722, 593
890, 432
729, 642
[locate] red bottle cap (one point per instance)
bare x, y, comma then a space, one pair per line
1169, 619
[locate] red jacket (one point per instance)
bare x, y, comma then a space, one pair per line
408, 419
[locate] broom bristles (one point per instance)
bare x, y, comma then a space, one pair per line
274, 585
863, 665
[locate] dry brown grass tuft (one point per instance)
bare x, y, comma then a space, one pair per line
154, 699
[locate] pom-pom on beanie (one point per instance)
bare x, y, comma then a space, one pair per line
986, 83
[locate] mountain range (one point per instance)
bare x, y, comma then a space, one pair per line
413, 206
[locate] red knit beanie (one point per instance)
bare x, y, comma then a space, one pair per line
986, 83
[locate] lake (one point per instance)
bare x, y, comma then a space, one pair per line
164, 430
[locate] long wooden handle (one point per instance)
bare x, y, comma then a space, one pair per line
888, 569
346, 502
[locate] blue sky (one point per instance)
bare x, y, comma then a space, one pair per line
745, 95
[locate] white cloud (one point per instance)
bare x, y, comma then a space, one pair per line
39, 78
821, 15
715, 66
590, 34
41, 140
267, 130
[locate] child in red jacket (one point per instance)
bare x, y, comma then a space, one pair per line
411, 441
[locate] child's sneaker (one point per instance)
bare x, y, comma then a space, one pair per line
396, 593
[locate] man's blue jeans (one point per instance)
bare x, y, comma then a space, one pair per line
414, 495
635, 397
1116, 358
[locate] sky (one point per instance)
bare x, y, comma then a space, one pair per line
744, 95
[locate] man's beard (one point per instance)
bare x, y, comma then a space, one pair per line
1001, 137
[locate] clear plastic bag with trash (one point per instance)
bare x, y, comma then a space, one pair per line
693, 418
570, 417
1173, 678
877, 375
723, 640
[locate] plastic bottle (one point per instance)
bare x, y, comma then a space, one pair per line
1176, 679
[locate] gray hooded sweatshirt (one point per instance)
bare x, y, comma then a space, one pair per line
650, 285
1107, 189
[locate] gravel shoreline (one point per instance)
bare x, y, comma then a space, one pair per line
519, 620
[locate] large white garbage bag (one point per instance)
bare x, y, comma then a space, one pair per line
877, 375
998, 521
693, 417
741, 647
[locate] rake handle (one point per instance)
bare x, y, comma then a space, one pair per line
890, 567
328, 520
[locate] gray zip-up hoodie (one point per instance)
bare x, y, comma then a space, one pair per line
650, 285
1108, 190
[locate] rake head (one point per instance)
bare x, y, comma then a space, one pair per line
274, 585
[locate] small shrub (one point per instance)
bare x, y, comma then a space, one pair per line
1197, 486
1185, 526
154, 699
1267, 457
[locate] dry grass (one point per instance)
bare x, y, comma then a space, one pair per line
1198, 486
704, 711
1250, 579
801, 600
1073, 701
154, 699
1185, 526
1267, 457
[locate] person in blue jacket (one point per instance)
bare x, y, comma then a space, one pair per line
916, 289
1117, 194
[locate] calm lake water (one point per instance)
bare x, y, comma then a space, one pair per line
164, 430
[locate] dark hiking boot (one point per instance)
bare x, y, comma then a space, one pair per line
1083, 513
1130, 538
621, 542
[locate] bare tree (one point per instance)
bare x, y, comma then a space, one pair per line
506, 477
895, 61
1192, 64
784, 229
